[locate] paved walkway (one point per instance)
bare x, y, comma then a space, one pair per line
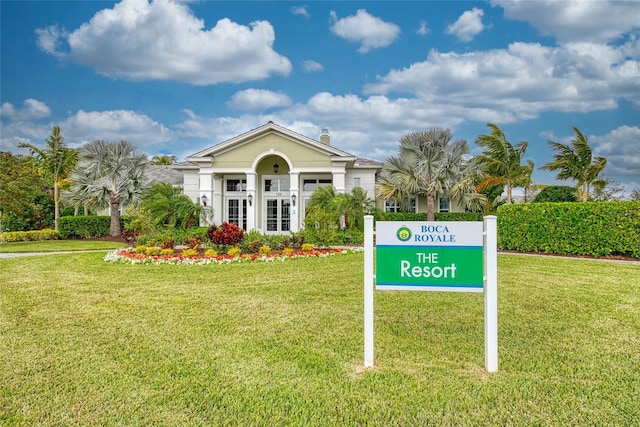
23, 254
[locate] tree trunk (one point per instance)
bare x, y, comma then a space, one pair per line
56, 205
431, 207
115, 218
508, 192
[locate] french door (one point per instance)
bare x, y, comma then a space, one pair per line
278, 215
277, 205
237, 212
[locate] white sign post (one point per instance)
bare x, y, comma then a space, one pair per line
368, 291
433, 256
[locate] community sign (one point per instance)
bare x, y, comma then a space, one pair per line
429, 256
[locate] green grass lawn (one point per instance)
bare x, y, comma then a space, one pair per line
84, 342
58, 245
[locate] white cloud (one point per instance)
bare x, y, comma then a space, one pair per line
81, 127
370, 31
49, 40
32, 109
522, 81
423, 30
163, 40
258, 100
621, 148
468, 25
576, 20
115, 125
311, 66
300, 10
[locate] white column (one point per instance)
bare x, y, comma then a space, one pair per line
205, 186
252, 201
218, 200
339, 181
368, 291
491, 293
294, 194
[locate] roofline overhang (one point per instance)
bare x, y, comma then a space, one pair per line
270, 127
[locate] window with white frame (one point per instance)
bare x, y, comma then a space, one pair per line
235, 209
236, 184
444, 205
311, 184
392, 206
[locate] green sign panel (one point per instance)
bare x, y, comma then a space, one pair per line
429, 256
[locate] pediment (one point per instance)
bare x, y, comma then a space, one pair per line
263, 131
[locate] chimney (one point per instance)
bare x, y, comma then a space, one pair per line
325, 138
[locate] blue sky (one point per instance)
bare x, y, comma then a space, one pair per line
175, 78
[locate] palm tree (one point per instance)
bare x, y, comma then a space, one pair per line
163, 160
323, 198
430, 165
109, 175
170, 207
526, 179
57, 161
501, 161
353, 206
576, 162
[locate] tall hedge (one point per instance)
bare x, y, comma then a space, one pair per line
422, 216
84, 226
588, 228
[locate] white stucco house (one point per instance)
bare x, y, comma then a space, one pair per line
264, 178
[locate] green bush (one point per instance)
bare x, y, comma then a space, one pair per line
320, 227
36, 215
590, 228
71, 211
556, 193
161, 235
459, 216
85, 227
28, 236
422, 216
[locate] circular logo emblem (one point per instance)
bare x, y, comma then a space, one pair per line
403, 234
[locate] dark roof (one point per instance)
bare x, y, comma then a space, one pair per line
162, 173
368, 163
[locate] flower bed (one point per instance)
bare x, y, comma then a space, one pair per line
129, 256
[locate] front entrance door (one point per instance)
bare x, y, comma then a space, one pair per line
277, 207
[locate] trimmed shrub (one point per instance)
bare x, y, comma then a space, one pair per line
167, 252
589, 228
422, 216
29, 236
85, 227
556, 193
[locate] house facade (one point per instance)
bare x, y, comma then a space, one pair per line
264, 178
